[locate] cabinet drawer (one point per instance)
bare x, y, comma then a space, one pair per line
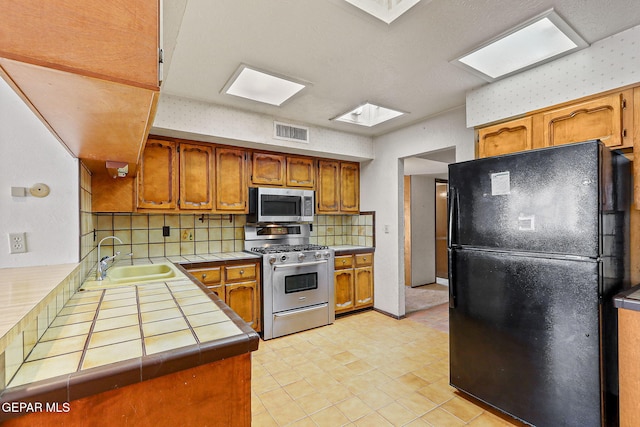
240, 272
363, 260
343, 261
208, 276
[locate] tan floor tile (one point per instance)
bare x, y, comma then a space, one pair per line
396, 414
417, 403
436, 392
359, 367
429, 373
275, 398
313, 403
256, 405
285, 378
418, 423
305, 422
373, 420
336, 393
376, 398
441, 418
330, 417
345, 357
462, 408
263, 419
263, 384
287, 414
354, 408
299, 389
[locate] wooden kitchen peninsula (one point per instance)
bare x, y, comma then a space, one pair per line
160, 353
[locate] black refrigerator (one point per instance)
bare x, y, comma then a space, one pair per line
537, 250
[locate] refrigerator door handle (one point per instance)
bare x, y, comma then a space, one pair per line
452, 279
453, 217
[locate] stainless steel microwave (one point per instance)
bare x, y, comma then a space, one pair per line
280, 205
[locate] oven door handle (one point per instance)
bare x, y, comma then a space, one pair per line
304, 264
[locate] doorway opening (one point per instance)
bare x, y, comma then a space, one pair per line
425, 229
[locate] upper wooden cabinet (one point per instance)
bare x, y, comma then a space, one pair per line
267, 169
337, 187
601, 118
89, 70
349, 187
300, 172
608, 117
158, 176
231, 185
196, 176
272, 169
328, 187
515, 135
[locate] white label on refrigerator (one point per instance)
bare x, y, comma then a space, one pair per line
500, 184
526, 222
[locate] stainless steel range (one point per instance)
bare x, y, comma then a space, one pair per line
297, 278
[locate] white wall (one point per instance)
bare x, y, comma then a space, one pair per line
181, 117
381, 185
423, 230
30, 155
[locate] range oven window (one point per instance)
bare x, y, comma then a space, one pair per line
276, 205
300, 282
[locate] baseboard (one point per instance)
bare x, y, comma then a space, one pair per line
442, 281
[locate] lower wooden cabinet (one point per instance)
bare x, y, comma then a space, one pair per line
353, 282
238, 285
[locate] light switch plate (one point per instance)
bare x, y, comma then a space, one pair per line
17, 243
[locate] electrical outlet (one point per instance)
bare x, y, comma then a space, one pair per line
17, 243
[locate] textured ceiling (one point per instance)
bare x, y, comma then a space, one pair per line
350, 57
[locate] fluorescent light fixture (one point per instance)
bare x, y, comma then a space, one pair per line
539, 40
368, 115
261, 86
385, 10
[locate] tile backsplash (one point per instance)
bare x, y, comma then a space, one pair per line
196, 234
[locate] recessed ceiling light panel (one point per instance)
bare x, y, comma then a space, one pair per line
385, 10
368, 115
260, 86
539, 40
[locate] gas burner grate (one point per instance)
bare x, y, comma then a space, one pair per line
275, 249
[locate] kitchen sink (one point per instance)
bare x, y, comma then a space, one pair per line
134, 274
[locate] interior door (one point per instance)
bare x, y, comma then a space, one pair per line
442, 263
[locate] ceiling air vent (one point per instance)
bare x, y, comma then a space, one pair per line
290, 132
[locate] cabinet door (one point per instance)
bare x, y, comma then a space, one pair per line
243, 298
343, 288
364, 286
157, 177
300, 172
599, 118
267, 169
350, 187
505, 138
196, 179
231, 186
328, 189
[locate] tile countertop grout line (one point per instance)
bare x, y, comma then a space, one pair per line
144, 347
85, 348
184, 315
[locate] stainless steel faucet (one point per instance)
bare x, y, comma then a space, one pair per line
102, 262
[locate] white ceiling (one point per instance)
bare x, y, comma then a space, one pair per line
350, 57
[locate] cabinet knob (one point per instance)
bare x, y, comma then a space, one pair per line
344, 261
241, 271
204, 275
364, 258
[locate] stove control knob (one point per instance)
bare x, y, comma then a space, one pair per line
272, 259
301, 256
283, 258
327, 255
318, 255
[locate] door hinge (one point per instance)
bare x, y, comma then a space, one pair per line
624, 133
623, 104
